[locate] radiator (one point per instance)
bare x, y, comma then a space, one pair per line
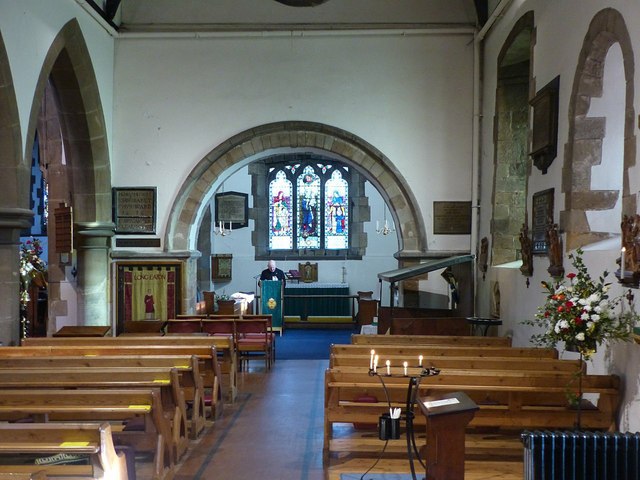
578, 455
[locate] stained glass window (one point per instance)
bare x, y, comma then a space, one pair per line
336, 212
280, 213
308, 206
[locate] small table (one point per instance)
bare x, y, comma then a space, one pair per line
479, 322
83, 331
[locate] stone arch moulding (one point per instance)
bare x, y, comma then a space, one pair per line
68, 65
376, 168
583, 149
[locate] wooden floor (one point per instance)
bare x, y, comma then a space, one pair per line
275, 432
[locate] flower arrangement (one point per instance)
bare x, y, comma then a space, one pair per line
580, 313
31, 266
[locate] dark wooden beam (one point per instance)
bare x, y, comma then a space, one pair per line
102, 13
482, 11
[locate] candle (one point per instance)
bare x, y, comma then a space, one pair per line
375, 363
377, 225
230, 227
405, 365
373, 352
420, 360
622, 261
388, 367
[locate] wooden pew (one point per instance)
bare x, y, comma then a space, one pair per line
46, 439
449, 340
188, 367
507, 399
412, 352
468, 363
163, 345
101, 405
166, 379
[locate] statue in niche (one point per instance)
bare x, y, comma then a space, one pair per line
555, 251
630, 228
526, 250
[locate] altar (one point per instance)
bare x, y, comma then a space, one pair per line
317, 299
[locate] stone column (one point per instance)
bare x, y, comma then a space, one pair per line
93, 246
12, 222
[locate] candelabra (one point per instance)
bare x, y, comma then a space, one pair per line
385, 230
220, 230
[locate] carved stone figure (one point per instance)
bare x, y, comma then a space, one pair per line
526, 250
630, 228
555, 251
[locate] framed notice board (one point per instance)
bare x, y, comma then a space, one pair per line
134, 210
542, 217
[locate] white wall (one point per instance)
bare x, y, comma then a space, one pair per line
560, 31
29, 26
409, 95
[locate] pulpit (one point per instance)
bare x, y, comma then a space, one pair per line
447, 418
271, 296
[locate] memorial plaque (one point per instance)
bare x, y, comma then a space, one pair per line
232, 207
542, 217
452, 218
134, 210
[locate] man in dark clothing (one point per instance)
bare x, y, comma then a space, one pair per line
273, 273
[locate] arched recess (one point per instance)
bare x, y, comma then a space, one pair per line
511, 163
378, 169
68, 69
584, 146
14, 202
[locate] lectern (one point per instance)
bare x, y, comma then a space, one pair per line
271, 302
447, 418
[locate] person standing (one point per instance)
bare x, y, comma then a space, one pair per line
273, 273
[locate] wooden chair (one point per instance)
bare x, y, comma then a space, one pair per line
272, 334
144, 326
252, 338
218, 326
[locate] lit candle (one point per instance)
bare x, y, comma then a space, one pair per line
405, 365
622, 261
373, 352
420, 360
230, 227
388, 367
375, 363
220, 227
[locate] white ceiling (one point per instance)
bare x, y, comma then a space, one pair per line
224, 14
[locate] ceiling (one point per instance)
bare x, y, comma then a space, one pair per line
202, 15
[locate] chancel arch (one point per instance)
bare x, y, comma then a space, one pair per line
269, 139
589, 131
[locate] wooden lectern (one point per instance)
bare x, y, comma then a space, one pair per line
447, 418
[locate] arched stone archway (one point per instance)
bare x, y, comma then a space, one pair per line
377, 168
584, 146
68, 67
14, 202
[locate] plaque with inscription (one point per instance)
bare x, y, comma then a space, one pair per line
232, 207
451, 218
134, 210
542, 215
221, 266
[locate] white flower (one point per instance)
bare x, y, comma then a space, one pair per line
580, 337
590, 325
606, 288
587, 308
593, 298
582, 301
585, 316
595, 317
598, 309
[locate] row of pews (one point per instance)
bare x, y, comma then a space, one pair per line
515, 388
78, 397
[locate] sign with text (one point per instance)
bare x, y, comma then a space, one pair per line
134, 209
451, 218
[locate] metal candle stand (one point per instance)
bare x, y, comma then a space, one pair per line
389, 428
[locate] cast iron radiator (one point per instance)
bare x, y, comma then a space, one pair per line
579, 455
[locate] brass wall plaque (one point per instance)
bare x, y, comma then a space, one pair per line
134, 210
452, 218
